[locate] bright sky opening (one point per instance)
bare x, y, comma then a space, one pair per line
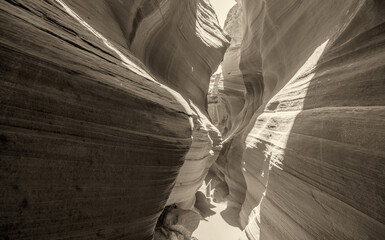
221, 8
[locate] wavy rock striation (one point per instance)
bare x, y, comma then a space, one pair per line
181, 44
95, 126
226, 100
313, 123
227, 90
104, 117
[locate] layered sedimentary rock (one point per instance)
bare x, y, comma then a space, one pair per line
92, 139
226, 98
182, 44
313, 155
104, 122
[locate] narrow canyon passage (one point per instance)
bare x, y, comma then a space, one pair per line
162, 119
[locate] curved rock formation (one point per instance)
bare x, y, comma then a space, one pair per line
104, 117
227, 89
92, 139
226, 100
182, 44
312, 125
181, 51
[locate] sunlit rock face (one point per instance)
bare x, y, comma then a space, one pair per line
104, 121
312, 128
182, 43
95, 122
226, 100
226, 94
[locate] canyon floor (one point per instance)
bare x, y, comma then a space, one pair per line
220, 224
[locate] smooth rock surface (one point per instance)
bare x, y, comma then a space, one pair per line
227, 90
181, 44
226, 100
313, 157
104, 118
92, 139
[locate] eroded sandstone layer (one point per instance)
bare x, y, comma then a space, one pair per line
104, 117
312, 127
95, 124
181, 44
227, 89
226, 100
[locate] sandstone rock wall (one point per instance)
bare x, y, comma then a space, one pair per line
92, 139
313, 121
226, 100
183, 44
227, 89
99, 101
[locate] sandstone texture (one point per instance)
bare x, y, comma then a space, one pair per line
226, 100
181, 44
95, 126
108, 117
227, 90
312, 127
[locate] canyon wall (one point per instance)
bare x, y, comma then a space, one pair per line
95, 126
227, 89
312, 126
181, 44
226, 100
104, 117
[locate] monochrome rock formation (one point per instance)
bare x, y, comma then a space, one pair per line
94, 128
107, 117
226, 98
312, 126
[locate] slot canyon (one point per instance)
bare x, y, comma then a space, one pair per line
148, 119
